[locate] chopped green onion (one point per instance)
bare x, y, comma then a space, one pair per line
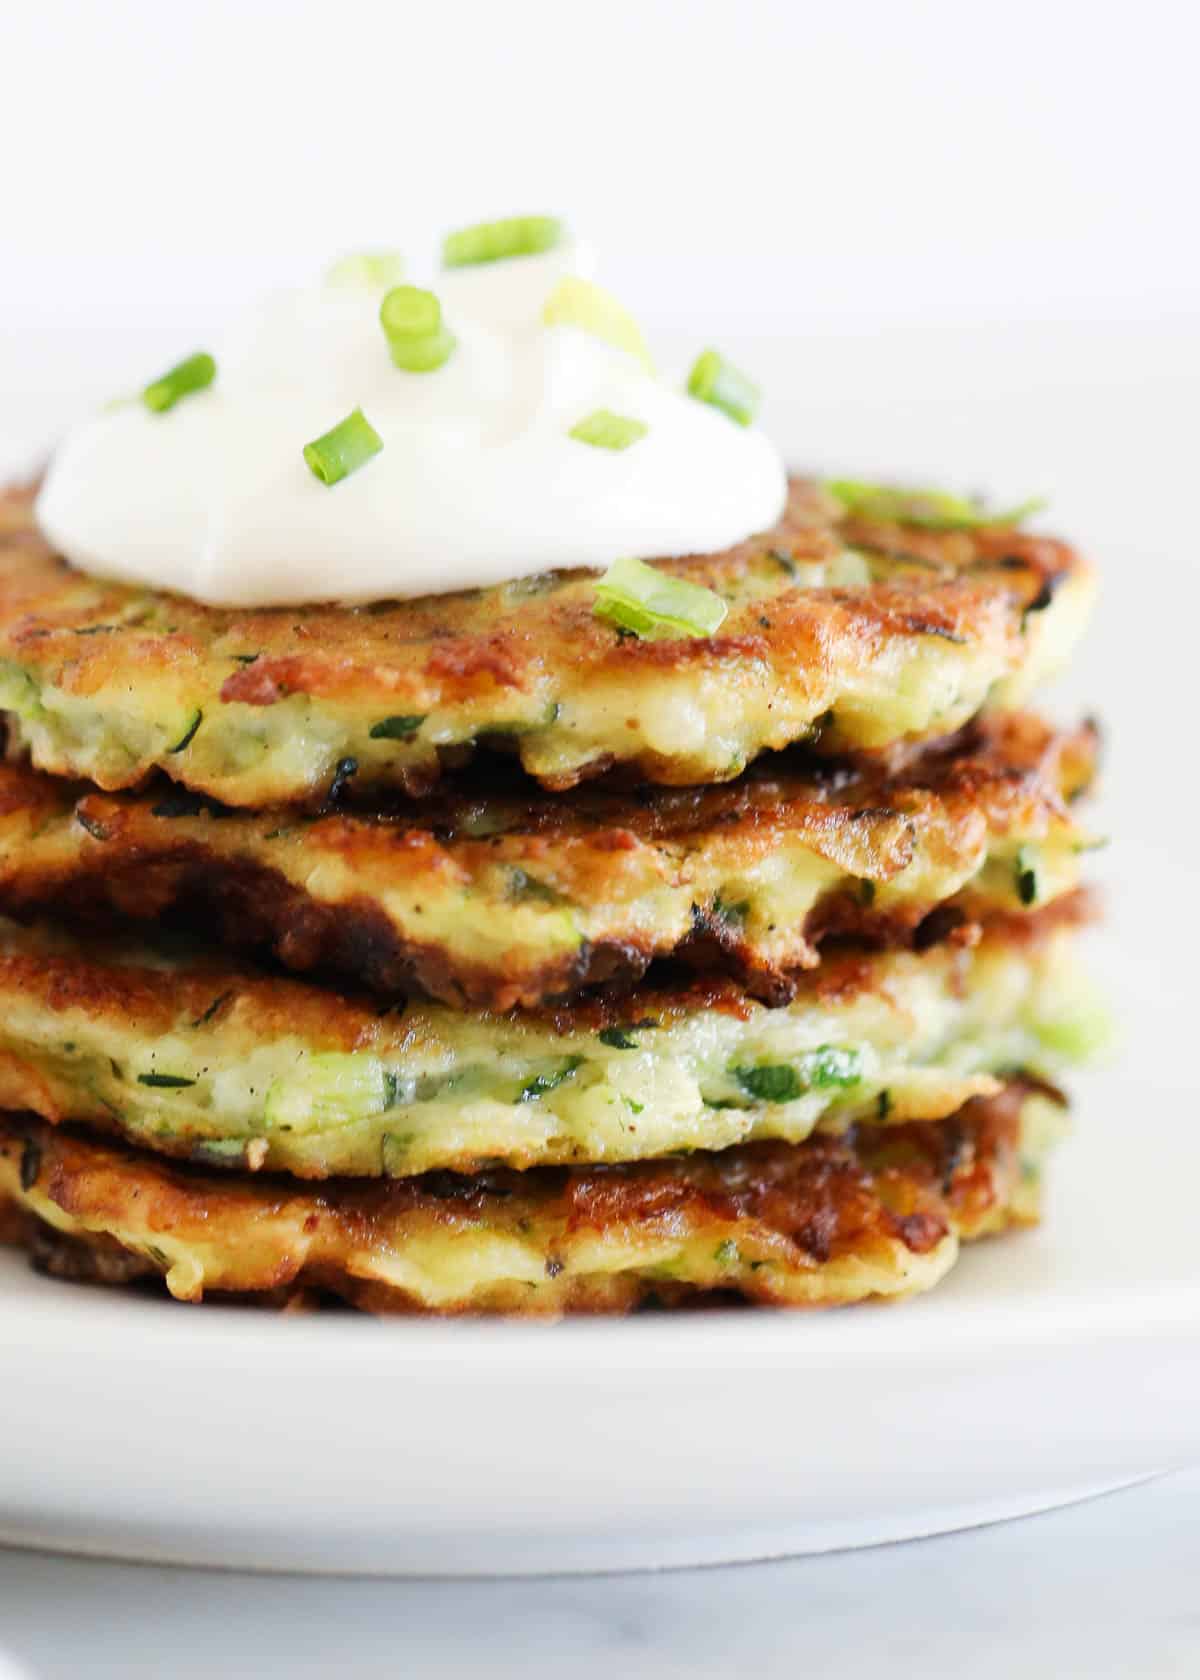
412, 324
409, 312
605, 430
776, 1083
543, 1082
617, 1038
635, 597
194, 374
1027, 882
524, 888
339, 452
398, 727
331, 1088
828, 1066
727, 1253
930, 510
514, 236
578, 303
185, 740
818, 1070
714, 380
375, 269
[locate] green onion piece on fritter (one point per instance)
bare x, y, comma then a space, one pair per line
399, 727
931, 510
825, 1068
541, 1083
578, 303
617, 1038
412, 324
373, 269
189, 733
636, 597
715, 381
514, 236
605, 430
1026, 875
341, 451
195, 374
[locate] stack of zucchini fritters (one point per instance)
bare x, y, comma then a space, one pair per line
469, 954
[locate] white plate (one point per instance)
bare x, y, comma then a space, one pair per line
1048, 1366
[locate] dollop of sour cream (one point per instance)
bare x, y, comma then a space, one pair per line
478, 480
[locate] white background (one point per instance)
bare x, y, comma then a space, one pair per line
907, 159
745, 166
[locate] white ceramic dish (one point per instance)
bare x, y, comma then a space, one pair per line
1048, 1366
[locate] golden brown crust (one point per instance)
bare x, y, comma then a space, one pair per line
217, 1064
824, 1222
12, 1222
494, 897
107, 681
103, 982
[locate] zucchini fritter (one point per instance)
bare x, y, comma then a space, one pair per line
842, 631
195, 1057
492, 899
835, 1220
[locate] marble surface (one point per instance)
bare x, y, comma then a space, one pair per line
1104, 1588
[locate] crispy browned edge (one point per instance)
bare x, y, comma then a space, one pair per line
63, 975
828, 1199
480, 647
132, 861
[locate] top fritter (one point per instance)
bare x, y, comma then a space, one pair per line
214, 585
852, 631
